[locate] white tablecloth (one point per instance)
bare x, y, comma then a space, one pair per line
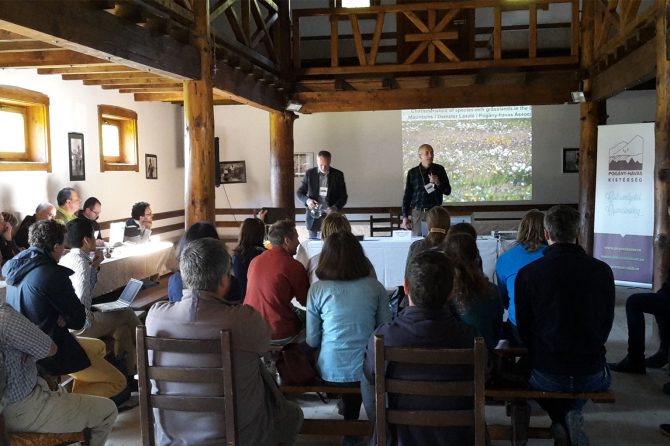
388, 256
136, 261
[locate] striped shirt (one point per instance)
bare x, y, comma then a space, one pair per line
21, 344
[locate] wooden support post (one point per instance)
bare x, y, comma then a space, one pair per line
199, 199
281, 161
592, 114
662, 166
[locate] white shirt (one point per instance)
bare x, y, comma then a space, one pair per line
83, 280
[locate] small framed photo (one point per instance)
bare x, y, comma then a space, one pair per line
76, 153
233, 172
151, 165
570, 160
302, 162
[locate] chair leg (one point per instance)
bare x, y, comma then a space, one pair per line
520, 422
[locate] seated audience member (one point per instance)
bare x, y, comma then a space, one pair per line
274, 279
8, 247
530, 245
426, 323
39, 288
44, 211
120, 325
91, 212
473, 298
343, 309
657, 304
30, 405
564, 313
466, 228
438, 221
197, 231
264, 416
333, 223
68, 205
138, 227
12, 220
250, 245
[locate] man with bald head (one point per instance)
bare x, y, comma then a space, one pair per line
425, 185
44, 211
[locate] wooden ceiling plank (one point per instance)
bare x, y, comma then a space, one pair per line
140, 85
163, 97
91, 69
14, 46
10, 36
139, 80
34, 59
100, 76
634, 69
97, 33
374, 48
152, 89
470, 96
246, 89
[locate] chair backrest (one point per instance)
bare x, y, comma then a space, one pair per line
205, 375
474, 389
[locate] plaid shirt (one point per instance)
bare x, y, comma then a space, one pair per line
21, 343
416, 197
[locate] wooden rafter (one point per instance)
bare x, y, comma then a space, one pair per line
102, 68
74, 26
32, 59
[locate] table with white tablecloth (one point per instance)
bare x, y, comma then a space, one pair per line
388, 255
134, 261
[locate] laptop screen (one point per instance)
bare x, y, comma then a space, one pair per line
116, 233
130, 291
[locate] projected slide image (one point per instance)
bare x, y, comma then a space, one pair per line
487, 151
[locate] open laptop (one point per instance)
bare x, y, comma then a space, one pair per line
116, 231
125, 299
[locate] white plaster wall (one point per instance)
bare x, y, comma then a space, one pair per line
73, 108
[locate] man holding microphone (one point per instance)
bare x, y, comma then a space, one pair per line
425, 185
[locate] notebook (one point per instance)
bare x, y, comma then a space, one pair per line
125, 299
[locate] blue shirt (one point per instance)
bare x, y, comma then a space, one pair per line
507, 267
341, 316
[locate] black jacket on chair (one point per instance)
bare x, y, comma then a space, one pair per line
309, 188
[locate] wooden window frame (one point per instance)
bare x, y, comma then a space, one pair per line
126, 120
35, 109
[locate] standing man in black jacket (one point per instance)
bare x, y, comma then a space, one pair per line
425, 185
322, 191
564, 311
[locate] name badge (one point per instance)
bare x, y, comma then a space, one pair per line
430, 187
323, 191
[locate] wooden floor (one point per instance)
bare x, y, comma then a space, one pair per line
632, 420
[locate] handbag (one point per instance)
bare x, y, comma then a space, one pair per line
295, 367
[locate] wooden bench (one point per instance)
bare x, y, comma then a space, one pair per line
323, 426
517, 399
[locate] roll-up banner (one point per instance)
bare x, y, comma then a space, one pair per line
624, 214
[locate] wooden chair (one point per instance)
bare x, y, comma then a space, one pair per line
475, 356
384, 225
223, 374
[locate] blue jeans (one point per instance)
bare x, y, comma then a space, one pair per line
558, 408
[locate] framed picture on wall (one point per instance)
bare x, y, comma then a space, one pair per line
233, 172
570, 160
302, 162
76, 154
151, 165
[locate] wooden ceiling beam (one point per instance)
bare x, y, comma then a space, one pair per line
90, 69
152, 89
112, 76
33, 59
142, 85
14, 46
138, 80
160, 97
468, 96
246, 89
75, 26
10, 36
635, 68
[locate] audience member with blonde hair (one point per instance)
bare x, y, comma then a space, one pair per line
530, 245
473, 299
438, 221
